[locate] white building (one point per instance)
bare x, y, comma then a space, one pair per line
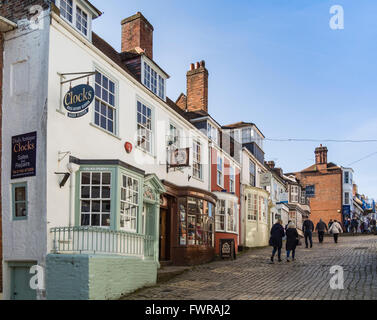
88, 211
348, 206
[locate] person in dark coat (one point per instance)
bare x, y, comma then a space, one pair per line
276, 239
286, 226
330, 223
321, 227
308, 228
354, 226
292, 238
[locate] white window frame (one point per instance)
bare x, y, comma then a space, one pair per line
294, 194
133, 206
74, 18
91, 199
151, 130
346, 177
175, 136
159, 88
221, 171
346, 198
115, 107
232, 178
195, 157
83, 13
212, 132
228, 206
252, 210
218, 215
252, 174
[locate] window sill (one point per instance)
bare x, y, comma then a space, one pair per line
105, 131
19, 218
144, 151
196, 178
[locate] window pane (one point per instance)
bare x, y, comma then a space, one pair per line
20, 193
20, 209
85, 206
85, 219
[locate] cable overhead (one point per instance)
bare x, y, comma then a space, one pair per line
320, 140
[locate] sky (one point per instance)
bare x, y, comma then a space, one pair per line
277, 64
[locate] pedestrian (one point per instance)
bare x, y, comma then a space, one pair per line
276, 239
308, 228
346, 224
286, 226
335, 229
330, 223
321, 227
292, 240
366, 226
373, 225
362, 226
354, 225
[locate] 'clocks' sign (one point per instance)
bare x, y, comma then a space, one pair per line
24, 151
77, 100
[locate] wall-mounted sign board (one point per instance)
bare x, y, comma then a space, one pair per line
24, 152
77, 100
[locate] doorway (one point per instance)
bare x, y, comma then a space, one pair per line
164, 243
20, 283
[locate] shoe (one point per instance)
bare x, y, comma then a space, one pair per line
280, 260
272, 259
288, 260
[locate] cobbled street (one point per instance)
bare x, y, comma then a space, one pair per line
251, 277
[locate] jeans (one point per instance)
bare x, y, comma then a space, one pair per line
308, 235
293, 253
274, 251
320, 236
336, 237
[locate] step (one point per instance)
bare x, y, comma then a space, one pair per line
166, 273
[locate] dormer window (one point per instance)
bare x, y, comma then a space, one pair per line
212, 133
81, 21
77, 14
153, 80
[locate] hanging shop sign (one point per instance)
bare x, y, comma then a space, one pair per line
265, 179
24, 151
310, 191
283, 197
77, 100
179, 158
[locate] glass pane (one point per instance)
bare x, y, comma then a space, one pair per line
96, 178
20, 193
85, 206
20, 209
106, 192
106, 178
96, 206
96, 192
105, 220
105, 206
85, 178
96, 219
85, 192
85, 219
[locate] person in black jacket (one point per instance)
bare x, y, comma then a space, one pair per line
321, 227
276, 239
292, 239
308, 228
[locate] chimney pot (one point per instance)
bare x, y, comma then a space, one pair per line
197, 65
192, 67
202, 63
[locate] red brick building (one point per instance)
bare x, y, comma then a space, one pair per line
326, 177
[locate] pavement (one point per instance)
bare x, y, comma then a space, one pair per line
251, 277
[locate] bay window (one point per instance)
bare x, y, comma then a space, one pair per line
252, 210
226, 215
220, 215
95, 199
129, 203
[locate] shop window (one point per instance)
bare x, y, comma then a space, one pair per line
95, 198
144, 127
226, 216
20, 202
199, 222
232, 217
129, 203
182, 222
252, 207
105, 110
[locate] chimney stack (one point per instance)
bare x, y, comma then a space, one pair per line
321, 155
137, 33
197, 87
270, 164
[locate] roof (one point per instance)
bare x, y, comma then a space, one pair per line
330, 166
242, 124
91, 6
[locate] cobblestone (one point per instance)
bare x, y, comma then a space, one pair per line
251, 277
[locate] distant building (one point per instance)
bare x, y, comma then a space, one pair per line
326, 180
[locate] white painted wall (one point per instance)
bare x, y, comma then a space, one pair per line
24, 110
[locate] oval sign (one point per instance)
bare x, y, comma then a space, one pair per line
78, 98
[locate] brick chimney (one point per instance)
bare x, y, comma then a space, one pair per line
321, 157
270, 164
197, 88
137, 33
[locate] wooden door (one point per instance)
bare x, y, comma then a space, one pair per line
163, 235
20, 285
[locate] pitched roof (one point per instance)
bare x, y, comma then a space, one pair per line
240, 124
330, 166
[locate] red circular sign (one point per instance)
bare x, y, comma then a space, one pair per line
128, 147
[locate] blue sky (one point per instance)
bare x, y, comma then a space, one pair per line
275, 63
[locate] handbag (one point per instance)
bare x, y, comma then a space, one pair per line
298, 242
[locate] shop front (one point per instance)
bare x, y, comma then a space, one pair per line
257, 217
187, 221
227, 220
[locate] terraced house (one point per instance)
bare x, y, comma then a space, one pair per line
106, 178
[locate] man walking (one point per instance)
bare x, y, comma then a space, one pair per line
354, 225
308, 228
330, 223
335, 229
321, 228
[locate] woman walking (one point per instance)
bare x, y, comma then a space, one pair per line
335, 229
276, 239
292, 239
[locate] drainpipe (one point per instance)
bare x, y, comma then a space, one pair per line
72, 168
